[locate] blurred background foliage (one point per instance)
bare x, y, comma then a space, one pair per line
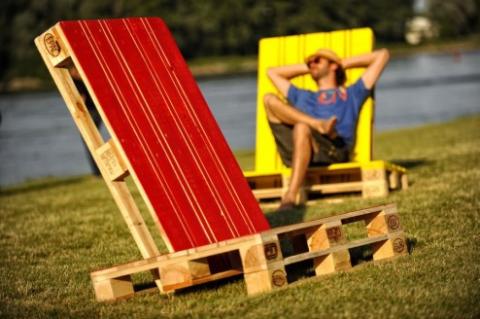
206, 28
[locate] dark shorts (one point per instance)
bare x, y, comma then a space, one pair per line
326, 151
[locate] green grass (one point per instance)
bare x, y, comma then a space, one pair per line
53, 232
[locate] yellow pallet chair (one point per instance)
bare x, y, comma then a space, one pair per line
373, 178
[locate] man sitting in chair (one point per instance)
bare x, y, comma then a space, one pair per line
318, 128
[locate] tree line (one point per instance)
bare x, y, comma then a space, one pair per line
218, 28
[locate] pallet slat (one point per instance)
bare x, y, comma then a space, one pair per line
353, 244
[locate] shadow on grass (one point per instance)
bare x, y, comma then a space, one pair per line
411, 244
42, 185
410, 163
208, 286
286, 217
298, 271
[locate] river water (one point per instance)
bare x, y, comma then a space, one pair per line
38, 137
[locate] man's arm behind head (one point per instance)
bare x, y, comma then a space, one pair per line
281, 75
375, 62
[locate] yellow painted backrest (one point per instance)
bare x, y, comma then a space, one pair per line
293, 49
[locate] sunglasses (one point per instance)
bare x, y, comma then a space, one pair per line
314, 61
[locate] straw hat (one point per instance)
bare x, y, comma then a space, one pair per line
324, 53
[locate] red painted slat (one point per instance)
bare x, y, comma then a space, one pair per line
173, 143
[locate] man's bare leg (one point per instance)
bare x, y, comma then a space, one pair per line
302, 150
280, 112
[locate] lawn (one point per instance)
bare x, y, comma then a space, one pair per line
54, 232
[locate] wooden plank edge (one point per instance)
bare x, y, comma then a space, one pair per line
346, 218
226, 246
354, 244
204, 279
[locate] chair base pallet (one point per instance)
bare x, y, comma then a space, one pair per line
376, 179
264, 258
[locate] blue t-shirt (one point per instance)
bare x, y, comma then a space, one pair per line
323, 104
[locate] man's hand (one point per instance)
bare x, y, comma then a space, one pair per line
375, 62
281, 75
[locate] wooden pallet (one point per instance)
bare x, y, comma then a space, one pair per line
371, 179
264, 259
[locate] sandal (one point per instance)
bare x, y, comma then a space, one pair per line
285, 206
